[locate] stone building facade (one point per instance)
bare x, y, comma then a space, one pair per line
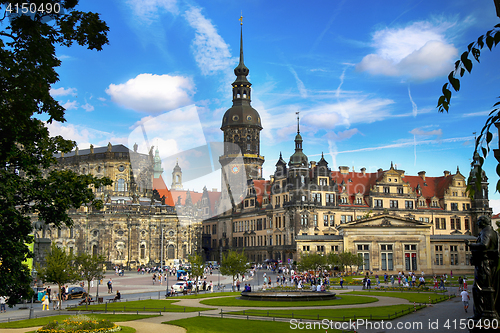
139, 225
395, 221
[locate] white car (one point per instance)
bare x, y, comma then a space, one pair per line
179, 287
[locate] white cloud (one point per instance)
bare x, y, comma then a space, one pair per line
82, 135
102, 99
210, 51
70, 105
185, 132
340, 136
147, 11
62, 92
153, 93
348, 112
87, 107
300, 85
495, 205
419, 51
419, 131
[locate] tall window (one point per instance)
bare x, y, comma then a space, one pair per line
386, 255
439, 255
393, 204
363, 251
121, 186
303, 220
453, 255
143, 251
408, 204
316, 197
332, 220
466, 223
325, 220
330, 198
378, 203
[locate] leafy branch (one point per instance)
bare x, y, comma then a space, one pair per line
482, 144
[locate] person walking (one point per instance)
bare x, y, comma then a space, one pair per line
45, 302
465, 299
110, 286
2, 303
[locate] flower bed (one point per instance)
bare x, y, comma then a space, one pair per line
80, 324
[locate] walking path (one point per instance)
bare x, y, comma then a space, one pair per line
428, 318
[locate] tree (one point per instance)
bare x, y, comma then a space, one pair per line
333, 260
482, 144
60, 268
350, 259
197, 268
233, 263
90, 267
29, 183
311, 261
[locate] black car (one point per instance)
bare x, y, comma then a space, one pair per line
76, 292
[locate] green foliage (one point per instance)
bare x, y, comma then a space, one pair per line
90, 267
45, 320
482, 144
233, 263
60, 268
311, 262
197, 268
79, 323
29, 185
348, 259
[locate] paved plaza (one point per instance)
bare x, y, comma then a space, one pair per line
135, 286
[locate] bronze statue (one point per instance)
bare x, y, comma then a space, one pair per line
485, 258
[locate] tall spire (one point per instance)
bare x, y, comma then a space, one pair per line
298, 122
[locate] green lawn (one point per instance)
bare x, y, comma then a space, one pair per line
149, 305
230, 293
45, 320
125, 329
375, 313
342, 300
411, 297
229, 325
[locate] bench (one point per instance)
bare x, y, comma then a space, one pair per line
112, 300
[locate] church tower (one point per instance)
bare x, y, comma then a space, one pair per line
241, 126
176, 178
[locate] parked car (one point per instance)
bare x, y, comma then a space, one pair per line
179, 287
76, 292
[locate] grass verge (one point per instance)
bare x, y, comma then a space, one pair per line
372, 313
411, 297
150, 305
229, 325
234, 301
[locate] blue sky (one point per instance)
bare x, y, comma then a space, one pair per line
365, 76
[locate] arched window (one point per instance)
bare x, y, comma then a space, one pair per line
143, 251
121, 186
94, 250
171, 252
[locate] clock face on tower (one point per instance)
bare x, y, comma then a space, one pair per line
235, 169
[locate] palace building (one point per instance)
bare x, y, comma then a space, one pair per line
395, 221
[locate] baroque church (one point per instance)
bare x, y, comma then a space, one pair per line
396, 222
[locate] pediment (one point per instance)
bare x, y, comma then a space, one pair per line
385, 221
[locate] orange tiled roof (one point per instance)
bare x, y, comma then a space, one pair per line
159, 185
